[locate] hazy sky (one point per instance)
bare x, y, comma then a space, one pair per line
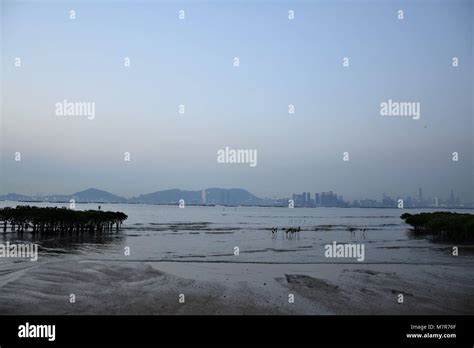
282, 62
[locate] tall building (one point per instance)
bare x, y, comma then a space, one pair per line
317, 199
452, 200
387, 201
328, 199
299, 199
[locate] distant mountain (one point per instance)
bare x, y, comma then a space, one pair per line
87, 196
208, 196
217, 196
18, 198
95, 195
233, 196
169, 197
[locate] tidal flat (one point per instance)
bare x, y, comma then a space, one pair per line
183, 261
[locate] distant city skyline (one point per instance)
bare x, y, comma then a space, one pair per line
333, 199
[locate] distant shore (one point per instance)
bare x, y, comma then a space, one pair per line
236, 206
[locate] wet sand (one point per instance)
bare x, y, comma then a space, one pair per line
128, 287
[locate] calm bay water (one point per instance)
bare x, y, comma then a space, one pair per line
210, 234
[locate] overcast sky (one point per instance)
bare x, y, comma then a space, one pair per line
282, 62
